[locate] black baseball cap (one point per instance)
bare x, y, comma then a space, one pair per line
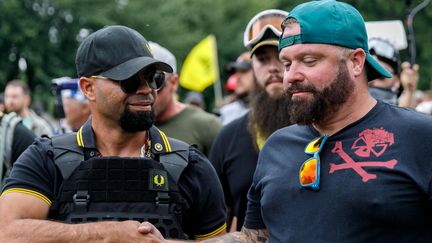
116, 52
243, 63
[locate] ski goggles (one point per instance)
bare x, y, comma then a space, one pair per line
310, 170
267, 20
155, 79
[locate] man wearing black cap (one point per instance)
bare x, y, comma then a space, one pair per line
117, 167
242, 69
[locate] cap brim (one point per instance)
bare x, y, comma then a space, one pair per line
271, 42
131, 67
238, 66
374, 69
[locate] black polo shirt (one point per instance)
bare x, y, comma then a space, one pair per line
35, 173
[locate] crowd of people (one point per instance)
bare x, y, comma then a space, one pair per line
321, 140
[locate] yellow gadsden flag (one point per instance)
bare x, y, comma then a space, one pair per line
200, 69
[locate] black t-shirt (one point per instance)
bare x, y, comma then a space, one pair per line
375, 182
205, 214
234, 157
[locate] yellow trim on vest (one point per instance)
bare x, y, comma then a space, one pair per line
211, 234
165, 140
79, 138
28, 192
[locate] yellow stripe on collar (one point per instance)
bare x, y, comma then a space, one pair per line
79, 138
165, 140
213, 233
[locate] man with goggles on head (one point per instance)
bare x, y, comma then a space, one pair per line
235, 150
400, 88
118, 171
179, 120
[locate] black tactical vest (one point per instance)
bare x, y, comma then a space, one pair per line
116, 188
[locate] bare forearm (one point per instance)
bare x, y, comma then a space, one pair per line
246, 235
34, 230
407, 100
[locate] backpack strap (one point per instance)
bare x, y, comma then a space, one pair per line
8, 124
177, 159
67, 153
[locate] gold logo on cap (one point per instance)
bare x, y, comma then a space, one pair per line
158, 180
158, 147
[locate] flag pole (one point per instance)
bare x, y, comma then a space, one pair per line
217, 84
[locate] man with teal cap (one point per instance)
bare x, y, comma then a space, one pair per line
346, 172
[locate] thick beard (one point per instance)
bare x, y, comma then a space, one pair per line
267, 114
325, 102
136, 121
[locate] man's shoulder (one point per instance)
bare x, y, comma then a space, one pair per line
405, 117
240, 121
290, 133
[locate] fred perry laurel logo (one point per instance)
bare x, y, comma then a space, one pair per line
158, 180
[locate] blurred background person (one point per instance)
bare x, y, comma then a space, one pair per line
195, 98
425, 104
2, 105
242, 70
18, 99
235, 151
399, 89
76, 108
71, 107
178, 120
14, 139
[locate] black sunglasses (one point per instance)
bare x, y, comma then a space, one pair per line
155, 80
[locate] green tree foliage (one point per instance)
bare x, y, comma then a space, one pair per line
44, 34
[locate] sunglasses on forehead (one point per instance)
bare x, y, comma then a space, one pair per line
310, 170
155, 79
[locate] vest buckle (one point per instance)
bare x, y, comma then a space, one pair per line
81, 200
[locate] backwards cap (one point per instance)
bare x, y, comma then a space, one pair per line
334, 23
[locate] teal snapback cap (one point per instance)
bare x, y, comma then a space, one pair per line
334, 23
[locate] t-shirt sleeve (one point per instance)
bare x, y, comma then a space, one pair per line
253, 218
33, 173
205, 214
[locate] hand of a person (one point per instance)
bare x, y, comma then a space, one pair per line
147, 228
134, 231
409, 76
